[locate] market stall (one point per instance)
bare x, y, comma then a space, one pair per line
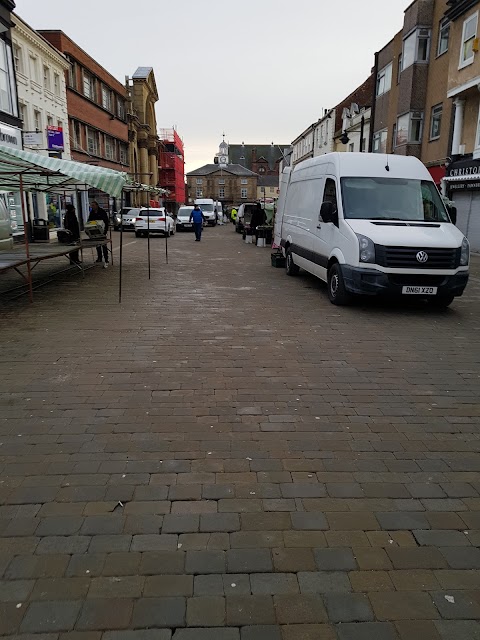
24, 171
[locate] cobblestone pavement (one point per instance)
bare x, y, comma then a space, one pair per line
227, 456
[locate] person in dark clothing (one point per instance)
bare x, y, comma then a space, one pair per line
99, 214
70, 222
258, 218
198, 220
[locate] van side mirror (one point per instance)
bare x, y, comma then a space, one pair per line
452, 212
328, 212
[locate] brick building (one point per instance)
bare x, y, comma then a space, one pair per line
96, 112
412, 115
463, 92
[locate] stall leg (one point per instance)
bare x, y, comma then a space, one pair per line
121, 252
26, 227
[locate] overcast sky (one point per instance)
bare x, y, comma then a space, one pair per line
260, 70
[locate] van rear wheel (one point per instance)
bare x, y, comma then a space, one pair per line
292, 269
337, 294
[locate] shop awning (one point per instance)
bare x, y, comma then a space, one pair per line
42, 173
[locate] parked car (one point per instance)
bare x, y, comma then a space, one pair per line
153, 221
244, 216
183, 219
128, 214
371, 224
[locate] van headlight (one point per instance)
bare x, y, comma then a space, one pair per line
366, 249
465, 253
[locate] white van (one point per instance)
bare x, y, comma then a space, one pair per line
370, 224
207, 205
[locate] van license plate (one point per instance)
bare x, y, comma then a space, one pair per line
420, 291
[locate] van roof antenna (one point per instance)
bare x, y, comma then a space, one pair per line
387, 166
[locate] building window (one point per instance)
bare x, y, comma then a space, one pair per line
394, 136
46, 79
416, 48
76, 134
243, 193
56, 84
399, 67
37, 120
469, 35
243, 181
8, 96
88, 85
120, 108
34, 68
221, 192
384, 80
123, 154
221, 181
22, 112
380, 141
199, 180
92, 141
49, 121
436, 122
409, 128
351, 147
72, 74
18, 58
109, 148
199, 193
443, 36
106, 98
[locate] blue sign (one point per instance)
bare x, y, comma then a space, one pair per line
55, 138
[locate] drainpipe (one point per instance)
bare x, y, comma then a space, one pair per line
374, 105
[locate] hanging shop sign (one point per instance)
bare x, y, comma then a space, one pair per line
55, 138
10, 136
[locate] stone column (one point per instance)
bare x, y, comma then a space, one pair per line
144, 168
458, 125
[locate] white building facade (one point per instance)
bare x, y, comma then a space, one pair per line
324, 134
42, 99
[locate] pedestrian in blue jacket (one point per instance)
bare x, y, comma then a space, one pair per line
198, 220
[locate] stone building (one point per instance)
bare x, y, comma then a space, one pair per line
142, 130
231, 184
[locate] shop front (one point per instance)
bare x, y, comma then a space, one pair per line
463, 188
12, 137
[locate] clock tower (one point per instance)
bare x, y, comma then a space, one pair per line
222, 155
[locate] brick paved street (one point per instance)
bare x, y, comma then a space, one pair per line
227, 456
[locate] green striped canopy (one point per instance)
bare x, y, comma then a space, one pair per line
42, 173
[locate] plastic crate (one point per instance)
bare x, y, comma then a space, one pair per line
278, 260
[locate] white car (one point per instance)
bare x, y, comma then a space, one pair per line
153, 221
183, 218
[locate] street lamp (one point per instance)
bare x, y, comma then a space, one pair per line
345, 139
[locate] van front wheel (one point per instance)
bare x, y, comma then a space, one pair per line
337, 294
291, 267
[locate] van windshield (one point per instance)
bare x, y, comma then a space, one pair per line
392, 199
206, 207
